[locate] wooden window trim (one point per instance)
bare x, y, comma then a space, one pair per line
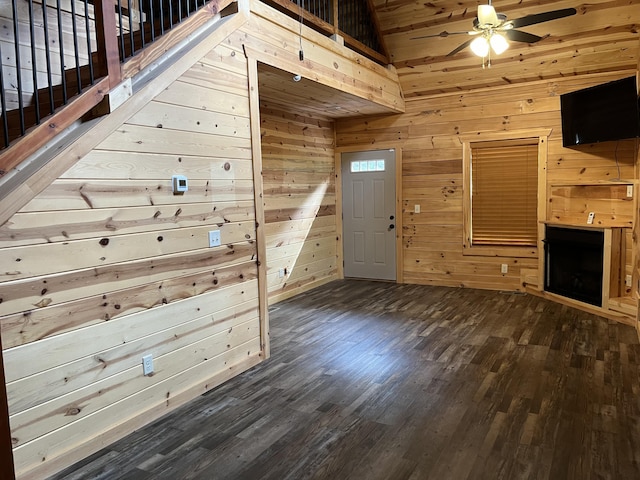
541, 135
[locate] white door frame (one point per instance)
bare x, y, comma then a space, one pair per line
398, 215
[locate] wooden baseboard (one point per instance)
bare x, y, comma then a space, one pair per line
279, 297
626, 305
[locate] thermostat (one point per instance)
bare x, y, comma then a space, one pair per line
179, 183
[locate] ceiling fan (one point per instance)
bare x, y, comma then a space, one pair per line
492, 30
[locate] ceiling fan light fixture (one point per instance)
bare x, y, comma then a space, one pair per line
498, 43
480, 46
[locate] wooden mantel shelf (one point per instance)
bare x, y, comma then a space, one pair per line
620, 181
583, 226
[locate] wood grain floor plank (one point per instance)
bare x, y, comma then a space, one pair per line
380, 381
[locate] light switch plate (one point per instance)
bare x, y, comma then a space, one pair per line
214, 238
590, 218
147, 364
629, 191
416, 209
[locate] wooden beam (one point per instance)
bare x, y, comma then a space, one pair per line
362, 48
635, 247
297, 11
339, 224
6, 454
398, 220
256, 148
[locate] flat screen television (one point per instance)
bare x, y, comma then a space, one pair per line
600, 113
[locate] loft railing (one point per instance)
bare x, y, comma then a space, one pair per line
61, 57
353, 20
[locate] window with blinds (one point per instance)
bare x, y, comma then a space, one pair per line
504, 186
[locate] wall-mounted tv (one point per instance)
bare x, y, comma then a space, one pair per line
600, 113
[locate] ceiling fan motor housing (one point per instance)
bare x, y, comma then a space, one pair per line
502, 18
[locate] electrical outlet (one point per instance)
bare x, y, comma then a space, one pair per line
416, 209
590, 218
214, 238
281, 273
504, 268
147, 364
627, 281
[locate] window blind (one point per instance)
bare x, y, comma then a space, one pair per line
504, 186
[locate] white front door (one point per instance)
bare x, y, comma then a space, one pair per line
369, 214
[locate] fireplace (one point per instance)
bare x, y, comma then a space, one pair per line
574, 263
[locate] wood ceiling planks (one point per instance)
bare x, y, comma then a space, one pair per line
602, 37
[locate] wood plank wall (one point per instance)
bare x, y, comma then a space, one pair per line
432, 174
298, 158
107, 265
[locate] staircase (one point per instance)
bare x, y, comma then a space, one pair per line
60, 94
119, 39
117, 43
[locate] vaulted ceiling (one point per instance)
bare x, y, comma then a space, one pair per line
602, 36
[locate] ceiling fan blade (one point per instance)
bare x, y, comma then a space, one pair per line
487, 15
518, 36
444, 34
542, 17
460, 47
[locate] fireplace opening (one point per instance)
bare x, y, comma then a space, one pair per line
573, 263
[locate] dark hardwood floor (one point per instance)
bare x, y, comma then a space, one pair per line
383, 381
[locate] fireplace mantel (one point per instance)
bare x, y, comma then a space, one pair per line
584, 226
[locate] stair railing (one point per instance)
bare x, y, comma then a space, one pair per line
64, 56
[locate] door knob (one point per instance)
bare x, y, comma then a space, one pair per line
392, 226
